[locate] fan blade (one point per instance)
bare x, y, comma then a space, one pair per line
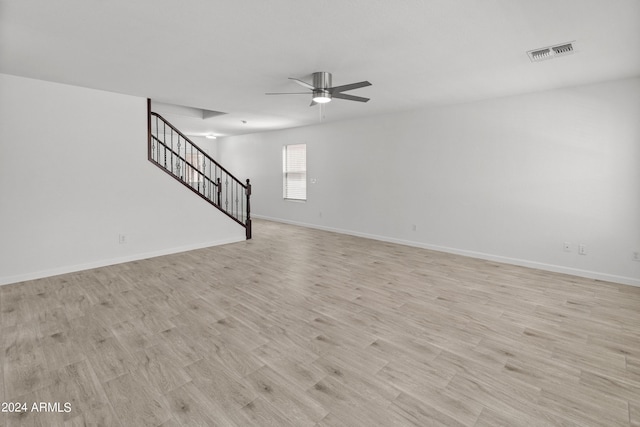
301, 83
287, 93
349, 97
345, 88
313, 103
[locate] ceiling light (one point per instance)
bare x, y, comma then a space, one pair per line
321, 97
210, 136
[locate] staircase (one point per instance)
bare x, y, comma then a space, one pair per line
178, 156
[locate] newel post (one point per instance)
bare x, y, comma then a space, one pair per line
149, 129
248, 224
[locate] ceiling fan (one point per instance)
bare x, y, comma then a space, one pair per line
323, 92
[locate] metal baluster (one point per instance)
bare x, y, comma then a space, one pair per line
178, 160
187, 167
226, 193
172, 151
164, 140
204, 174
157, 133
218, 192
237, 200
204, 181
210, 182
242, 209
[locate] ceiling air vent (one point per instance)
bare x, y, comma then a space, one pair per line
539, 55
551, 52
562, 49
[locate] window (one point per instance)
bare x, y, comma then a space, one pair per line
294, 166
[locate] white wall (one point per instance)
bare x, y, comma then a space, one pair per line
508, 179
209, 146
74, 175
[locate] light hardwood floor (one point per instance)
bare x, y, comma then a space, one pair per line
308, 328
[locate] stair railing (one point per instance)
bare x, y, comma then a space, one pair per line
181, 158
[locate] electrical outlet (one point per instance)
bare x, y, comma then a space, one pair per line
636, 256
122, 238
582, 250
566, 247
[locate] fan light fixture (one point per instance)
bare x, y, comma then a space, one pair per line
210, 136
321, 97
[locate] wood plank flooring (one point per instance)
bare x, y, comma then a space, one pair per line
302, 327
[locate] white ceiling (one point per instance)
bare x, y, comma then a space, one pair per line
224, 55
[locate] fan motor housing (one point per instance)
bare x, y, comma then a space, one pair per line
321, 80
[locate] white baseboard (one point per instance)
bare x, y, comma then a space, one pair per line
106, 262
480, 255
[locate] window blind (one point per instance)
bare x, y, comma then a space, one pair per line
294, 160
